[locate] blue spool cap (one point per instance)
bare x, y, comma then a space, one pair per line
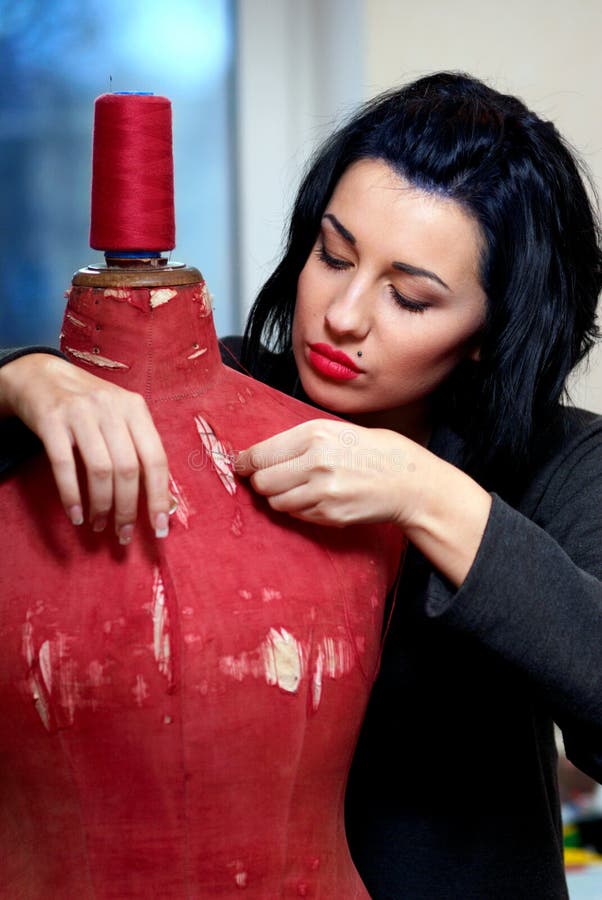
129, 254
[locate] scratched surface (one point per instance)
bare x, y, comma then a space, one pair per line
179, 716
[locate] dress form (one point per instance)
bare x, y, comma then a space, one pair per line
180, 715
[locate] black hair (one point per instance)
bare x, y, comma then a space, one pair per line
452, 135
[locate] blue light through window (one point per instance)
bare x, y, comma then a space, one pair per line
55, 58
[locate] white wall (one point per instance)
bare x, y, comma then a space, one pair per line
300, 65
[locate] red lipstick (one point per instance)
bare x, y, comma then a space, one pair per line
333, 363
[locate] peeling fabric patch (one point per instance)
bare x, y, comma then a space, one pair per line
283, 661
159, 296
40, 700
197, 353
240, 875
27, 640
136, 297
280, 659
75, 321
236, 527
51, 672
117, 293
205, 301
182, 512
316, 681
338, 656
219, 456
53, 679
59, 672
45, 665
335, 657
160, 616
95, 359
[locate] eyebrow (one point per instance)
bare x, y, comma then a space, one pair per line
401, 266
340, 228
422, 273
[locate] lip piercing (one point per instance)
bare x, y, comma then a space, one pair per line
360, 353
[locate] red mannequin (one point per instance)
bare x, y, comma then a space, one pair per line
179, 715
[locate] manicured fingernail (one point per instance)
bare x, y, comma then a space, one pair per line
99, 523
76, 514
162, 525
126, 533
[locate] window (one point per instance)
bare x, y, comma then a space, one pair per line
55, 59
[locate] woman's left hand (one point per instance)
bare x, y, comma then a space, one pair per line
333, 473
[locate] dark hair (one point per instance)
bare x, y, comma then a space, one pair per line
452, 135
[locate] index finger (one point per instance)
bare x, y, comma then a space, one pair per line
279, 448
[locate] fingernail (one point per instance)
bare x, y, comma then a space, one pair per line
162, 525
126, 533
99, 523
76, 514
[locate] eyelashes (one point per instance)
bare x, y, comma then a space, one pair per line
333, 262
406, 303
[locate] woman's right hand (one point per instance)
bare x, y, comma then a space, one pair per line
112, 430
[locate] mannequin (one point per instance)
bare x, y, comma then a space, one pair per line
179, 715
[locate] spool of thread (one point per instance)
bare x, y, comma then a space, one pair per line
132, 175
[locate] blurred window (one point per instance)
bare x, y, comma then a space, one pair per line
55, 59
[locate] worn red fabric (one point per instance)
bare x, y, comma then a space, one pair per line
179, 716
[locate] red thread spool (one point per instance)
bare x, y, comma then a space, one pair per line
132, 174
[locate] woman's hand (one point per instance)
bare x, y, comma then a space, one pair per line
111, 428
335, 473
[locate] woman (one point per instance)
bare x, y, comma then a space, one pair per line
439, 284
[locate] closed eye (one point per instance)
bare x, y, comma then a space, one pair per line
333, 262
414, 306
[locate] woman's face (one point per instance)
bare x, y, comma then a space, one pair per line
393, 284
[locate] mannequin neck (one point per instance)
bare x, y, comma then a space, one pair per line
158, 341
